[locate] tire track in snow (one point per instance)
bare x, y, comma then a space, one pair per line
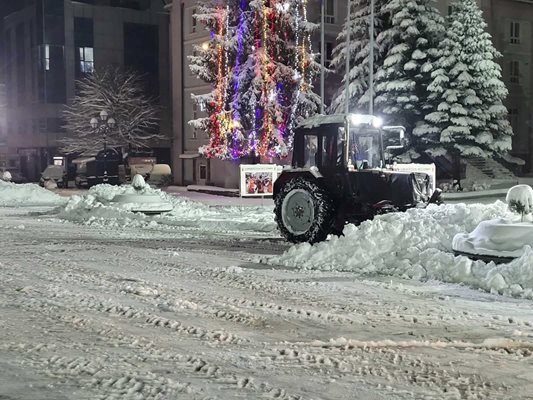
97, 374
389, 367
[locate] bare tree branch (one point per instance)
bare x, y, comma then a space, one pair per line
121, 94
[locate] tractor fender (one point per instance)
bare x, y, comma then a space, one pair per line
312, 174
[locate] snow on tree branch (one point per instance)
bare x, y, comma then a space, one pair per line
121, 94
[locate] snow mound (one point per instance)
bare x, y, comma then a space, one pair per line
138, 182
501, 237
496, 238
97, 208
27, 194
417, 244
6, 176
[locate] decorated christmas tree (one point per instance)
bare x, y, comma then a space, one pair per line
261, 66
467, 116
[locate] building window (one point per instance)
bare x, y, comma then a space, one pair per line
513, 118
450, 10
194, 133
329, 14
515, 33
141, 53
86, 60
193, 20
42, 125
203, 171
514, 72
329, 54
45, 57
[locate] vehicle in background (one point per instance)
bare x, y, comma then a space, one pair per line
146, 166
160, 175
80, 171
56, 174
104, 168
114, 169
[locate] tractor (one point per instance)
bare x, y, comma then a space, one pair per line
340, 174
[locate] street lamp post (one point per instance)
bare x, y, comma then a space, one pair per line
103, 126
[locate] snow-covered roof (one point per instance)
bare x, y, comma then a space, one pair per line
321, 119
338, 119
83, 160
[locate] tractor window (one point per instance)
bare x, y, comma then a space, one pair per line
310, 151
365, 150
331, 152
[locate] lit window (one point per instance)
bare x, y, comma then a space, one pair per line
514, 72
329, 14
515, 33
86, 59
46, 57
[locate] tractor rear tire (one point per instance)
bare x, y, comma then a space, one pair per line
305, 212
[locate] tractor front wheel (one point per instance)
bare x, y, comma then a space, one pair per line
305, 212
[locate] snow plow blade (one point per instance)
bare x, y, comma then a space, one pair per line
484, 258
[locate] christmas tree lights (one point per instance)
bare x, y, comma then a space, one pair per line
260, 63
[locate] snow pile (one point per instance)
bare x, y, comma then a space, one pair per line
97, 208
496, 238
27, 194
417, 244
501, 237
6, 176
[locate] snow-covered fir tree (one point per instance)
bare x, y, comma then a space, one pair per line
416, 29
359, 49
260, 64
468, 117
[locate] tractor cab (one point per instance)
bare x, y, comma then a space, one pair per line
355, 142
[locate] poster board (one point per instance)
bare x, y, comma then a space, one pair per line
429, 169
257, 180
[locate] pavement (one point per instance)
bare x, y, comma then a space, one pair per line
220, 198
217, 196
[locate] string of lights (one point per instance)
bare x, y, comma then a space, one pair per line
262, 61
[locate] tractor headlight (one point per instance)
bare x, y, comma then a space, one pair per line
356, 119
377, 122
364, 119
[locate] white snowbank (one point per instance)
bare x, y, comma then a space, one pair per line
496, 238
27, 194
417, 244
501, 237
6, 176
97, 208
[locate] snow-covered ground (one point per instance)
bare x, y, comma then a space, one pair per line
95, 207
27, 194
100, 303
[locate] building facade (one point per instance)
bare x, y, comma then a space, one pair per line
509, 22
48, 44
